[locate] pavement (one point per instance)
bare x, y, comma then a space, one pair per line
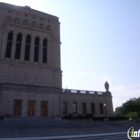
33, 127
103, 136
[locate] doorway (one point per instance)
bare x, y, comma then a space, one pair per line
44, 108
17, 107
31, 108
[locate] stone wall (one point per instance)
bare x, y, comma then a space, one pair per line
55, 98
87, 97
25, 93
27, 21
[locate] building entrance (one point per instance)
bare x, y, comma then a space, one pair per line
17, 107
44, 108
31, 108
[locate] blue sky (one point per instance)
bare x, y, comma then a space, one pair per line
100, 42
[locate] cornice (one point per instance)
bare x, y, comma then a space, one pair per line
25, 28
25, 10
24, 64
29, 88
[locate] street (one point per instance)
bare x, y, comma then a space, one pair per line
102, 136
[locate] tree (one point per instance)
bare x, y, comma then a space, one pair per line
119, 111
130, 108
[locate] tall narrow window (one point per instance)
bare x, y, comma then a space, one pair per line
18, 46
45, 50
64, 107
74, 107
9, 45
92, 108
36, 52
27, 47
101, 108
84, 108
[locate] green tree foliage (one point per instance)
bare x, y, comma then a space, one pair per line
130, 108
132, 115
119, 111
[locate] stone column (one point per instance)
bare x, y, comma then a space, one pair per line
32, 47
24, 107
41, 51
3, 49
13, 46
37, 108
23, 48
49, 52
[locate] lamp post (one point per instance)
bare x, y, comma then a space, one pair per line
105, 110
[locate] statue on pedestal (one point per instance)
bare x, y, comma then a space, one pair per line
107, 86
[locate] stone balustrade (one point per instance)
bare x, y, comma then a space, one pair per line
83, 91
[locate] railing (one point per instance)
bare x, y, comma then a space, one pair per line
82, 91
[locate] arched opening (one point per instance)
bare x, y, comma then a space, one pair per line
49, 28
33, 24
8, 18
17, 20
25, 22
41, 26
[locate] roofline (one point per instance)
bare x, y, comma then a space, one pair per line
13, 7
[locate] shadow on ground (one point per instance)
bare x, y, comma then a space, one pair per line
39, 127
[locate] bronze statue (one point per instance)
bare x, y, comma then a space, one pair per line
106, 86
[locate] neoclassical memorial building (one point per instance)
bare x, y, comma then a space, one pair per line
30, 69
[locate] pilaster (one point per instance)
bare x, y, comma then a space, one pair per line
23, 48
49, 52
13, 46
3, 50
32, 49
41, 51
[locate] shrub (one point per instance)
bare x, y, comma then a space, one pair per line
79, 116
88, 116
98, 118
7, 115
1, 118
70, 116
132, 115
117, 118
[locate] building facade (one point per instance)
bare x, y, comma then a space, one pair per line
30, 69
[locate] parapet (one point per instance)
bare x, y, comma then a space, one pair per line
85, 92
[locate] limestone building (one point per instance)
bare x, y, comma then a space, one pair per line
30, 69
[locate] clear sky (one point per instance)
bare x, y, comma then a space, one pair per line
100, 42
